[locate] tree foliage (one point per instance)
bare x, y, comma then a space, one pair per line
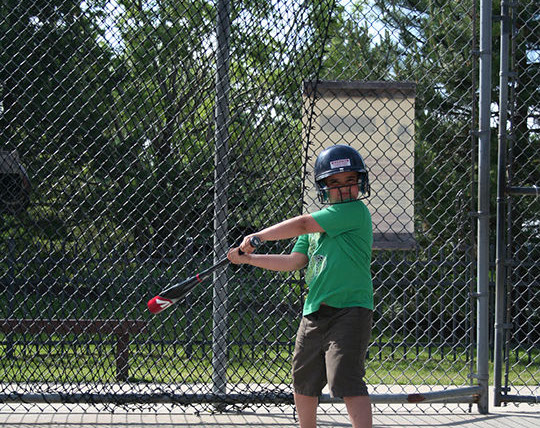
111, 106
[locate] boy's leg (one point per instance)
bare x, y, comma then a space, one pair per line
345, 362
359, 409
306, 407
308, 370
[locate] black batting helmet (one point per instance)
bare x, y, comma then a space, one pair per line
336, 159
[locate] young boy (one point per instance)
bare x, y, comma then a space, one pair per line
335, 245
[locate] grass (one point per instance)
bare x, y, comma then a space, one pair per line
73, 363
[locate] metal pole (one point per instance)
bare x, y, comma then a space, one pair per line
458, 395
483, 205
534, 190
500, 263
219, 331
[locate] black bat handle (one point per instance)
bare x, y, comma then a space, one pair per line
255, 242
177, 291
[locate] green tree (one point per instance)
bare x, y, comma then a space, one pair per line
54, 78
159, 157
438, 40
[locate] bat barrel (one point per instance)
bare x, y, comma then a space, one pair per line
158, 303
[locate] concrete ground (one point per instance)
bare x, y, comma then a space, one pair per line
331, 414
49, 416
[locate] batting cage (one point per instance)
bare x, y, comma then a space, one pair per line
140, 140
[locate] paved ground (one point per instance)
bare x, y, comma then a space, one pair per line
425, 415
45, 416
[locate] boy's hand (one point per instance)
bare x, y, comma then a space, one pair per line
236, 258
250, 244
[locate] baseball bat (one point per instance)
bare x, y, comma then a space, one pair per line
179, 290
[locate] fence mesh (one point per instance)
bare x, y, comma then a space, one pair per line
132, 131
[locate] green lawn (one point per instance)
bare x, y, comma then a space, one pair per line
172, 364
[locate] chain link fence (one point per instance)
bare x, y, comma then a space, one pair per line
139, 140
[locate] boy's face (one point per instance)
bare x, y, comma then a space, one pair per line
342, 186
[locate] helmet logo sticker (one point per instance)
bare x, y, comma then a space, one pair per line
340, 163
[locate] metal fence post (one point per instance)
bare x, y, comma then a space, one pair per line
219, 332
10, 295
483, 205
500, 264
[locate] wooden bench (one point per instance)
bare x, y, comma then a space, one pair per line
122, 329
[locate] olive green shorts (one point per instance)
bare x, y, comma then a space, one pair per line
331, 346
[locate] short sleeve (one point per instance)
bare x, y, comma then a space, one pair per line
302, 245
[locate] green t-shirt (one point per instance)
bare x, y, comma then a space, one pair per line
338, 272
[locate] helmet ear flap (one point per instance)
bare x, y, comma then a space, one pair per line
324, 195
322, 192
364, 187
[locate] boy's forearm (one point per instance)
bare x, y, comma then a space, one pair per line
277, 262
